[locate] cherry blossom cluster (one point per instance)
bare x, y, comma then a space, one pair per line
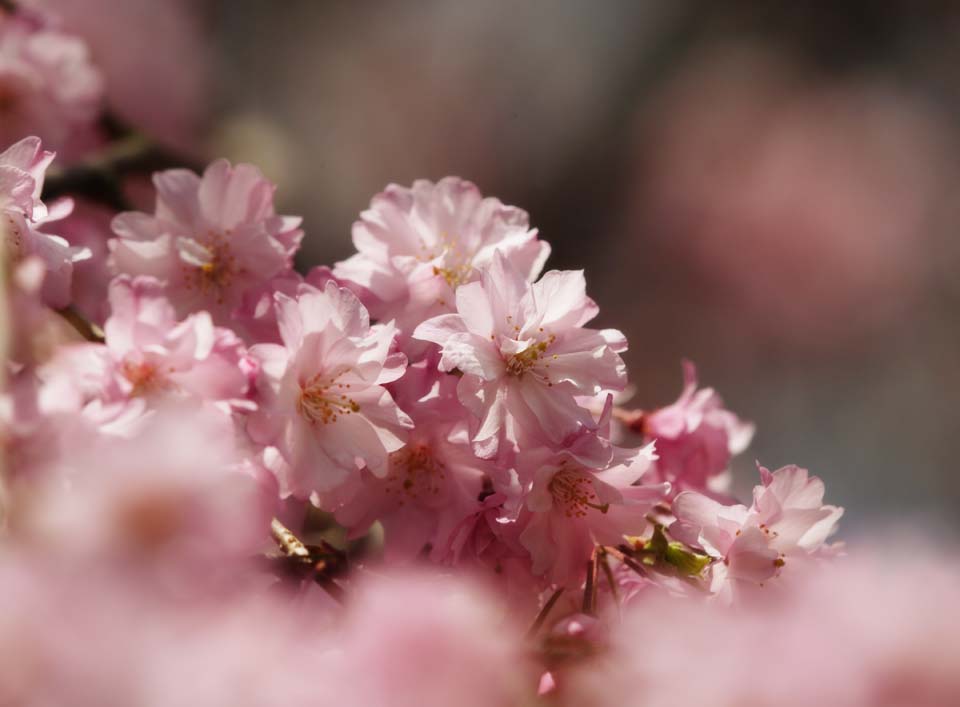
406, 479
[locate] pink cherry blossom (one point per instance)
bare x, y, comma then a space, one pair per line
525, 355
832, 638
786, 521
435, 641
211, 239
431, 484
571, 509
416, 246
486, 546
176, 496
323, 401
88, 226
696, 438
22, 169
148, 356
48, 85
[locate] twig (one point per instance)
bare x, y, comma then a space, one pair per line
8, 6
590, 588
294, 550
542, 616
608, 573
626, 559
88, 330
100, 178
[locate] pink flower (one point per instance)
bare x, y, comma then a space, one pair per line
180, 495
786, 520
696, 437
48, 86
324, 404
22, 169
149, 356
525, 355
211, 239
570, 509
854, 633
417, 246
431, 484
88, 226
435, 642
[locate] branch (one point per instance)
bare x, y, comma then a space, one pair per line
88, 330
590, 588
100, 177
544, 612
317, 562
608, 573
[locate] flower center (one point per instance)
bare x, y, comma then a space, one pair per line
215, 274
415, 474
144, 377
573, 493
457, 266
324, 400
522, 361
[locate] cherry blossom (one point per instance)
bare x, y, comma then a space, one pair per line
324, 405
696, 438
786, 521
211, 239
431, 484
48, 84
22, 170
525, 355
416, 246
148, 357
571, 509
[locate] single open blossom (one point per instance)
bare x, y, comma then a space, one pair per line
786, 520
324, 405
416, 246
22, 169
525, 355
696, 437
431, 484
48, 85
148, 356
211, 239
570, 509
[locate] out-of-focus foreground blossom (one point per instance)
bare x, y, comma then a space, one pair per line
855, 634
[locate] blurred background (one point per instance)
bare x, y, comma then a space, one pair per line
768, 189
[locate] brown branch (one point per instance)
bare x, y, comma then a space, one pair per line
88, 330
544, 612
100, 177
590, 588
626, 559
608, 573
